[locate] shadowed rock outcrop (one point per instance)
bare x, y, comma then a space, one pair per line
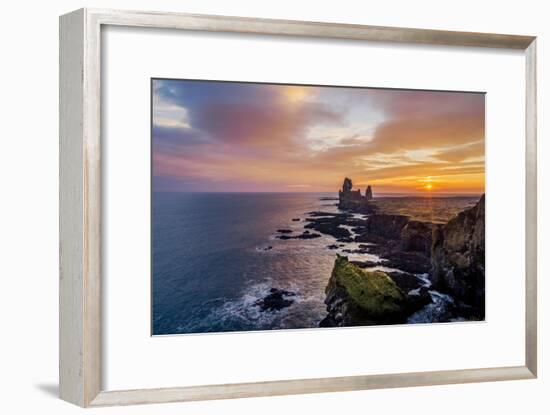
386, 226
416, 236
402, 243
458, 257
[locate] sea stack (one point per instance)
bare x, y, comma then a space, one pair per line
368, 193
347, 186
347, 192
350, 199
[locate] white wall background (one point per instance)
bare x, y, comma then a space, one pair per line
28, 209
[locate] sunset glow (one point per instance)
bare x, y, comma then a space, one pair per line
245, 137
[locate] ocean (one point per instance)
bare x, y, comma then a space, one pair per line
215, 254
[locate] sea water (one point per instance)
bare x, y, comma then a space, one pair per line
214, 255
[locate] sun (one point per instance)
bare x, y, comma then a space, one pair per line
427, 183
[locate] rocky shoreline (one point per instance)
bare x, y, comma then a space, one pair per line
451, 258
409, 264
413, 264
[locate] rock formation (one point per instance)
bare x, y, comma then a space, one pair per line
417, 236
277, 299
347, 186
368, 193
386, 226
353, 199
402, 243
356, 297
458, 257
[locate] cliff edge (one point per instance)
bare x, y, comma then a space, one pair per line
458, 258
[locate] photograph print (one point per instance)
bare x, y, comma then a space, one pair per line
282, 206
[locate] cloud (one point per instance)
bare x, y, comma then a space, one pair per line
269, 122
278, 137
174, 140
420, 119
459, 153
249, 116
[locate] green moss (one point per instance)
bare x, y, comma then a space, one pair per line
372, 291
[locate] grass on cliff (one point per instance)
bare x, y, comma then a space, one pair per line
373, 291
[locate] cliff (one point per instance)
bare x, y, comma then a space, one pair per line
458, 257
403, 243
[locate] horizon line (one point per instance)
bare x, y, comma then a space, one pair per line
425, 194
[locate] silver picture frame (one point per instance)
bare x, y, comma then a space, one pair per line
80, 206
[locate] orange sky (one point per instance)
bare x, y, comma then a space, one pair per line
216, 136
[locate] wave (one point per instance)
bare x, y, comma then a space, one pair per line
244, 313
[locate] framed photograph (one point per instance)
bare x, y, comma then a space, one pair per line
254, 207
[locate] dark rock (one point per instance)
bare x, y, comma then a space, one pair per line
329, 214
347, 186
367, 264
284, 230
458, 257
359, 250
333, 246
406, 281
348, 239
296, 220
414, 262
329, 227
305, 235
418, 301
353, 200
386, 226
328, 321
404, 244
371, 238
368, 193
308, 235
417, 236
276, 300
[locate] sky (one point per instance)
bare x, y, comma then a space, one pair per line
210, 136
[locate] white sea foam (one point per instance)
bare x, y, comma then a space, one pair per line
359, 216
425, 278
437, 310
245, 313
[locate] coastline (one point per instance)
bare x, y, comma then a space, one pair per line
279, 271
412, 274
